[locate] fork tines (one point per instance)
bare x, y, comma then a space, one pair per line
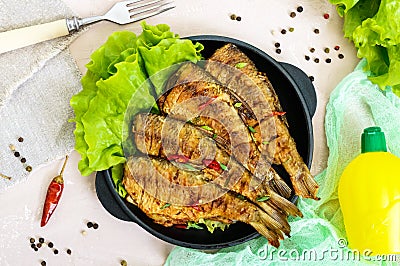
141, 9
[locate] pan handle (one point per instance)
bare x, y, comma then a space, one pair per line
305, 85
107, 197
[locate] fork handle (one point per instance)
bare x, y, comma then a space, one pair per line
18, 38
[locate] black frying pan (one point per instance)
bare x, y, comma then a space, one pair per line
297, 96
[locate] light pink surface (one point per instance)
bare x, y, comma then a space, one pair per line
115, 240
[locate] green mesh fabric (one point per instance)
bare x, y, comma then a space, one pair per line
319, 238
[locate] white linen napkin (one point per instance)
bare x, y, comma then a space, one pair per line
36, 85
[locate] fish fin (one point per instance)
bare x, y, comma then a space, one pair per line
280, 186
274, 219
285, 205
263, 230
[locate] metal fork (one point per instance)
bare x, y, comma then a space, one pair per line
121, 13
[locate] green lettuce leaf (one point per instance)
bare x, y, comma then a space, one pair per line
116, 83
374, 26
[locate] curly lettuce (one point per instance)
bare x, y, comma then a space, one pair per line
118, 70
374, 26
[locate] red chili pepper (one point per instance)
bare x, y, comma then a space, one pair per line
204, 105
278, 113
182, 226
212, 164
178, 158
197, 208
53, 195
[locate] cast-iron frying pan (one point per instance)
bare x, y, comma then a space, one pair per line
297, 97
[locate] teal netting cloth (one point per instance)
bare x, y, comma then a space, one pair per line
319, 237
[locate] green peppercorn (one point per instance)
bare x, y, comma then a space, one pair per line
233, 16
28, 168
326, 50
291, 29
124, 263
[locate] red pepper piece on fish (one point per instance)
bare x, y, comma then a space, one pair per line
53, 196
212, 164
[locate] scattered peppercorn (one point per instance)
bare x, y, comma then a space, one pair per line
316, 31
28, 168
328, 60
51, 244
311, 78
291, 29
41, 240
20, 139
124, 263
292, 14
33, 246
283, 31
35, 249
326, 16
312, 50
316, 60
23, 160
95, 226
89, 224
55, 251
12, 147
39, 245
32, 240
341, 56
69, 252
307, 57
233, 16
326, 50
43, 263
337, 47
300, 9
83, 232
238, 18
278, 51
16, 154
277, 44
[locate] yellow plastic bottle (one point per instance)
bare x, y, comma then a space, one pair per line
369, 196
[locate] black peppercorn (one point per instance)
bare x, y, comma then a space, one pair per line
23, 160
278, 51
55, 251
312, 50
307, 57
292, 14
50, 244
32, 240
89, 224
316, 60
69, 252
33, 246
300, 9
41, 240
39, 245
328, 60
341, 56
283, 31
20, 139
316, 31
16, 154
43, 263
238, 18
95, 226
311, 78
277, 44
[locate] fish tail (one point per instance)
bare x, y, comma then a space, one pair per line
274, 218
273, 239
305, 185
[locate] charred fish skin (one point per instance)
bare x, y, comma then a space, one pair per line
227, 206
197, 147
172, 104
285, 147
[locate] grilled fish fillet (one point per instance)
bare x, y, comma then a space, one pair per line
195, 96
227, 208
167, 138
285, 147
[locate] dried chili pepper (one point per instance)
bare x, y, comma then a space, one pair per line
182, 226
212, 164
53, 195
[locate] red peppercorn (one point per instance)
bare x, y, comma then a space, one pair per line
326, 16
337, 47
